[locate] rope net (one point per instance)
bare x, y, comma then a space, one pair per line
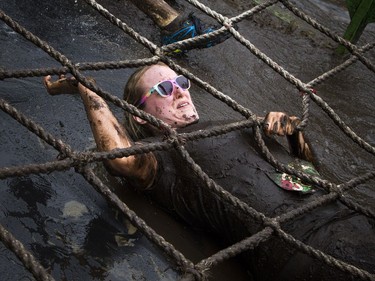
80, 160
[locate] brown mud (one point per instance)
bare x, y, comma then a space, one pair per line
89, 242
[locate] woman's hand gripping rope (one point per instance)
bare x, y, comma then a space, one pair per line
279, 123
64, 85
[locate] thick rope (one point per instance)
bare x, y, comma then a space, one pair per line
352, 48
174, 140
24, 255
80, 66
134, 219
36, 129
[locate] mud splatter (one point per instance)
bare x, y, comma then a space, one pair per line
95, 104
74, 209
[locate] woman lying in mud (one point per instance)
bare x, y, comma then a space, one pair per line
234, 162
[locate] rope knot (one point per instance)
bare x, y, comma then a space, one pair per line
192, 274
310, 91
175, 139
171, 136
227, 23
159, 52
338, 189
272, 222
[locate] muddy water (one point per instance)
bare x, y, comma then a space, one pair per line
67, 225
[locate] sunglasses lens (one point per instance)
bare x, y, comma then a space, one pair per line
165, 88
183, 82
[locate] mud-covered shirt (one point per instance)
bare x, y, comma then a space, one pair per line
234, 161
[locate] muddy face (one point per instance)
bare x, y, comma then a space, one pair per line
178, 109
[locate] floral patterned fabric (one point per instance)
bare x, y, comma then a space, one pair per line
293, 183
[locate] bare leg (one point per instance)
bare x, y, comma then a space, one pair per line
176, 26
158, 10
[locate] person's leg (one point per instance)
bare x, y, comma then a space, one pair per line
158, 10
176, 26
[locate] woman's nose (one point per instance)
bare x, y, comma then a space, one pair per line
178, 92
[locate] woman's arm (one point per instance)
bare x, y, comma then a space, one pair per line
109, 134
279, 123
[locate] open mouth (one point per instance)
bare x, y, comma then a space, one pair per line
182, 105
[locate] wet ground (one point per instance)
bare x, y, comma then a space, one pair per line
64, 222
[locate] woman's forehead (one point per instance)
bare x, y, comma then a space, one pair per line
156, 74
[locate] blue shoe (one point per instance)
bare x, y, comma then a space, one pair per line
190, 27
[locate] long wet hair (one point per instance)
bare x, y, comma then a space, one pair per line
133, 95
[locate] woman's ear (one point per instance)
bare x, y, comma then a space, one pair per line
139, 120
